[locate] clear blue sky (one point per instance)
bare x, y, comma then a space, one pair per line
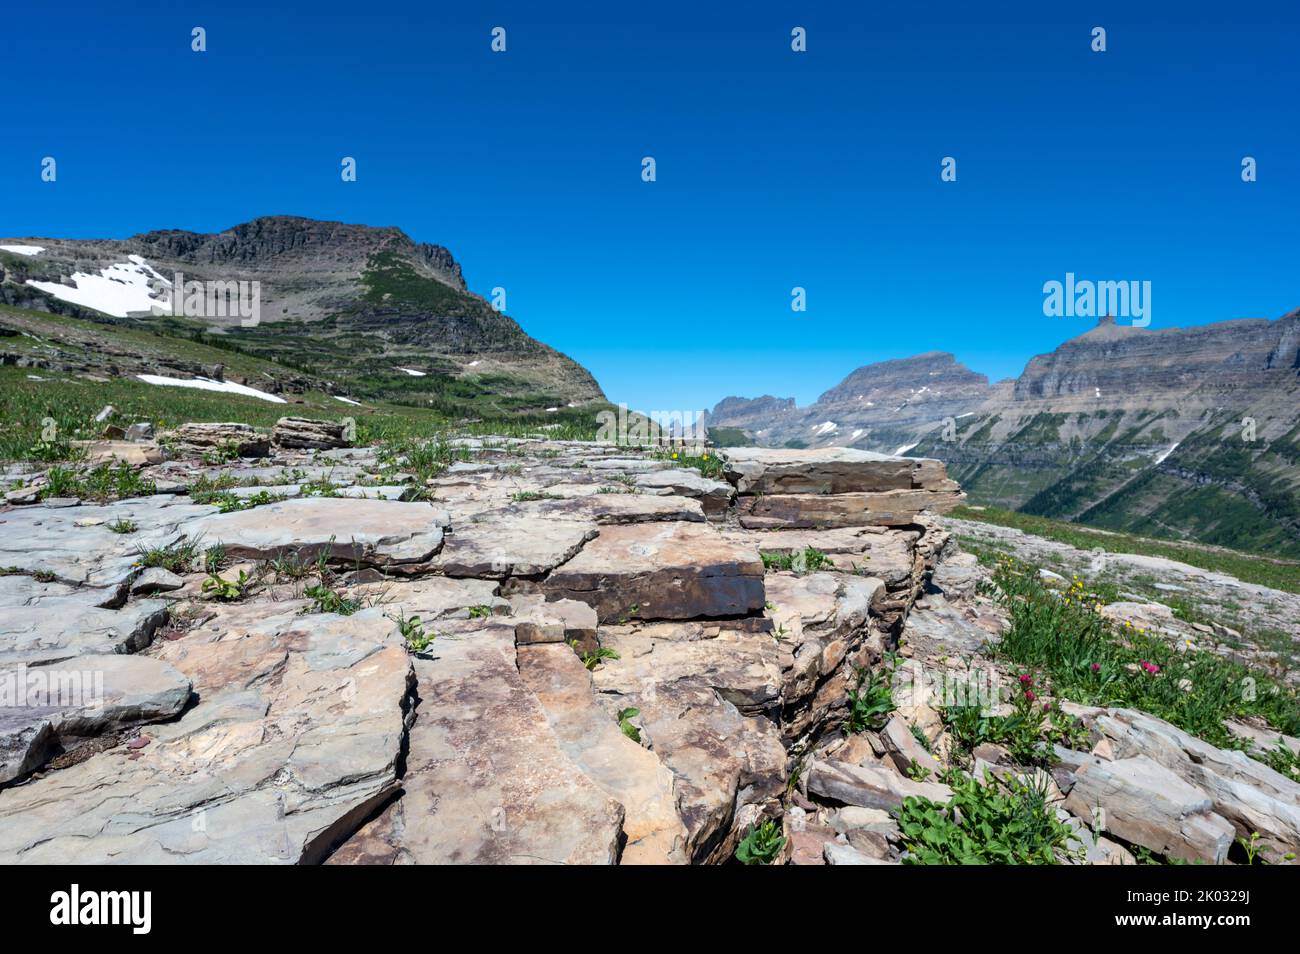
775, 169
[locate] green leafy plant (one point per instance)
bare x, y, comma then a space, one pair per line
214, 558
123, 525
328, 600
761, 845
217, 588
996, 821
592, 659
871, 700
480, 611
624, 723
807, 560
412, 631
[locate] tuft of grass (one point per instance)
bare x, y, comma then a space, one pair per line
123, 525
525, 495
179, 557
105, 482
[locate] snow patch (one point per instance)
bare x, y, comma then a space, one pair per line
904, 449
412, 372
338, 397
827, 427
1160, 458
23, 249
207, 384
119, 290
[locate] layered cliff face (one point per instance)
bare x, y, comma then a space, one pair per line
365, 306
1191, 432
875, 405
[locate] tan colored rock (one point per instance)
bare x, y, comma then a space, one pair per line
487, 779
197, 439
704, 704
498, 544
869, 786
714, 495
1146, 804
591, 737
136, 454
310, 433
831, 470
1248, 793
59, 705
295, 740
905, 751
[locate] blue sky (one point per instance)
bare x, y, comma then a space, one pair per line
775, 169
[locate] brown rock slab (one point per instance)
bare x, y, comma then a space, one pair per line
661, 571
891, 508
830, 470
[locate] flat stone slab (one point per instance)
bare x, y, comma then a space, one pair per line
713, 495
610, 508
487, 780
661, 571
76, 545
830, 470
891, 508
498, 544
295, 739
1253, 797
47, 623
55, 706
371, 532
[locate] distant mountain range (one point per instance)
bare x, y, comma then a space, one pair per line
365, 307
1181, 432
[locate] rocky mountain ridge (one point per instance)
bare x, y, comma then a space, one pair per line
1191, 432
367, 307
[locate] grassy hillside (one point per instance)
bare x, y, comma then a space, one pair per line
76, 367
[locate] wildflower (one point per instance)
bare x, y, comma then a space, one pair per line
1096, 667
1026, 679
1029, 695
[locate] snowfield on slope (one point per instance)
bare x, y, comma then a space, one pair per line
206, 384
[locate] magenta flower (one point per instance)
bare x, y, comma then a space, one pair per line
1029, 695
